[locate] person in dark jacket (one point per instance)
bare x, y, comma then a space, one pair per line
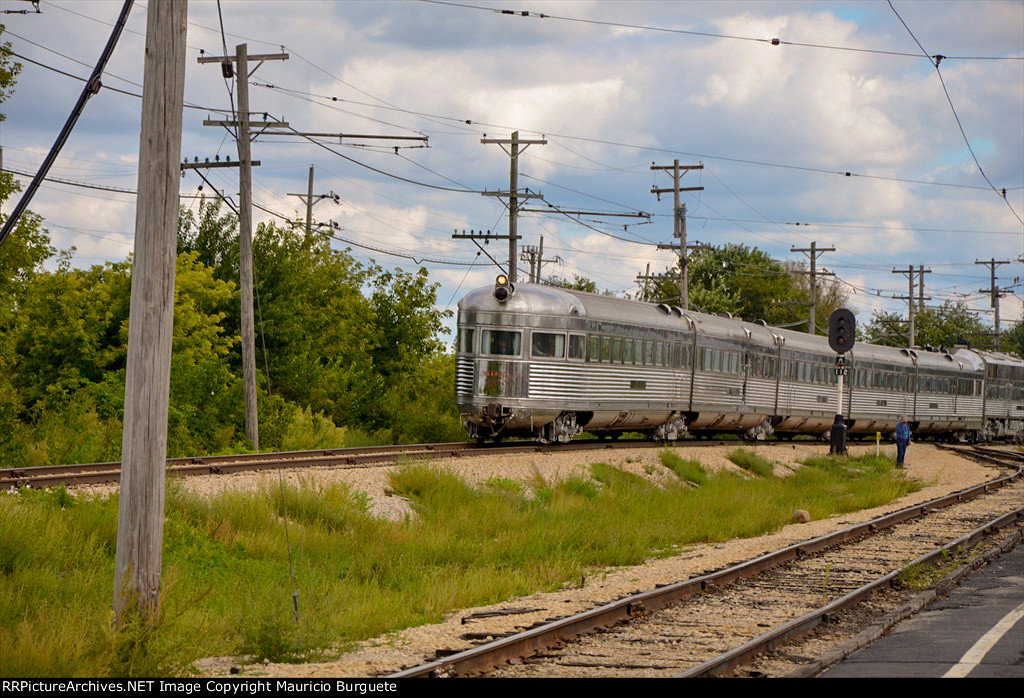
902, 440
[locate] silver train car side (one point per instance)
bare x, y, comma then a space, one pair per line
547, 363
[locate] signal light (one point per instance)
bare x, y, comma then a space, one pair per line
842, 331
502, 288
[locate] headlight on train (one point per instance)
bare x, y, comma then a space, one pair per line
502, 288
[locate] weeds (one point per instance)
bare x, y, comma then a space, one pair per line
688, 470
357, 576
750, 461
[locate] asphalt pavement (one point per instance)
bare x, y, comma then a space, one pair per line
976, 631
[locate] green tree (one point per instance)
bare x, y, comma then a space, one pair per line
748, 283
1012, 341
315, 328
942, 326
578, 283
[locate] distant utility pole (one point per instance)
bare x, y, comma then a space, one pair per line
995, 291
535, 256
310, 200
813, 252
658, 279
921, 271
909, 298
513, 194
678, 224
140, 517
244, 139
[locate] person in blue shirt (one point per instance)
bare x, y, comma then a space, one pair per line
902, 440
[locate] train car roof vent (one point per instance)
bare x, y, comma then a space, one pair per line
905, 352
760, 322
664, 308
948, 357
677, 310
724, 313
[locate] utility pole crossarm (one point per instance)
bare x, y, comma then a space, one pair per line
513, 194
679, 223
656, 190
213, 165
261, 57
813, 252
553, 209
340, 136
252, 124
996, 293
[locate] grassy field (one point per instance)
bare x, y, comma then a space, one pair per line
227, 588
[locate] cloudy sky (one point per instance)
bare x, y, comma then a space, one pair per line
613, 87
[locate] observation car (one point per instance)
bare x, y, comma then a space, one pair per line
546, 363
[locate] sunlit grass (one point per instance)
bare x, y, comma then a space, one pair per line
748, 460
358, 576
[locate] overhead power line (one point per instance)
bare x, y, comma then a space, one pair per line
633, 146
773, 41
935, 60
93, 86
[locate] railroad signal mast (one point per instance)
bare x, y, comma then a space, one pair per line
842, 335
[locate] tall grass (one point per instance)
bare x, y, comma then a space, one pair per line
689, 470
358, 576
748, 460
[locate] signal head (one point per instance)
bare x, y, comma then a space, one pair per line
502, 288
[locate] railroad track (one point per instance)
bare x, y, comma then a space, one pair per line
105, 473
110, 472
714, 623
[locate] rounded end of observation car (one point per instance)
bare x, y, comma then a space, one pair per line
522, 298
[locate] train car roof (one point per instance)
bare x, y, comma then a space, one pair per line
540, 299
998, 357
528, 298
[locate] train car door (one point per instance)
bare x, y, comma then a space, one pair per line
745, 369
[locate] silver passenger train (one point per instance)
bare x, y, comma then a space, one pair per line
547, 363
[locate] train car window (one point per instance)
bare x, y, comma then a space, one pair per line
594, 343
500, 342
466, 341
627, 351
606, 349
616, 350
649, 353
547, 345
659, 353
577, 346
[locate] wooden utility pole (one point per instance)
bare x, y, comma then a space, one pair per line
909, 298
245, 265
921, 271
140, 519
813, 252
678, 224
996, 293
311, 201
513, 194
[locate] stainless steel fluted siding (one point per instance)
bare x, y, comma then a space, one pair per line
464, 369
